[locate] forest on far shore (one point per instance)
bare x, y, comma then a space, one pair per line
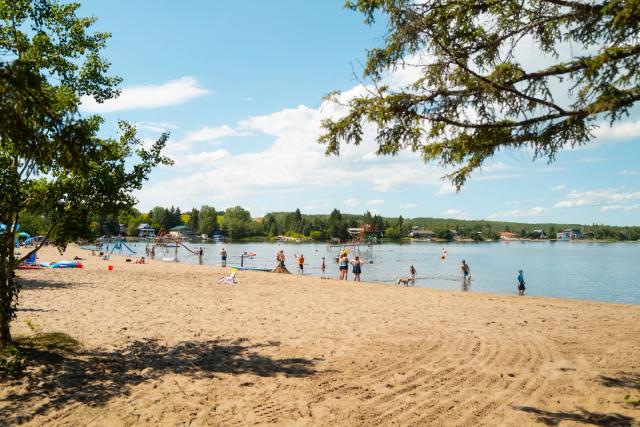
237, 223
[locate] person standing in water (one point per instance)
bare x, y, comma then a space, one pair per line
344, 266
323, 267
413, 272
466, 271
521, 283
223, 257
301, 264
357, 269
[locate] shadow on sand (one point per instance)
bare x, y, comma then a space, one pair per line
580, 415
49, 283
95, 377
623, 380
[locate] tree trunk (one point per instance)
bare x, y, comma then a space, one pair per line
7, 284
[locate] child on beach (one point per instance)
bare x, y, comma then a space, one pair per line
466, 271
521, 283
301, 264
357, 269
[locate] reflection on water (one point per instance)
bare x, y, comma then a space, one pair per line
596, 271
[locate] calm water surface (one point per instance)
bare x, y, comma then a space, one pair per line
593, 271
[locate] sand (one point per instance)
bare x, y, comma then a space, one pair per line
164, 344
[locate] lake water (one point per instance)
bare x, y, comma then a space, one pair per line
593, 271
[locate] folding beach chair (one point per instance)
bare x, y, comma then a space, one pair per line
31, 259
229, 280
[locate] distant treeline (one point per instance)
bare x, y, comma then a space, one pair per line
237, 223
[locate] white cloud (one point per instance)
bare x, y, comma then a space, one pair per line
173, 92
608, 197
558, 187
446, 188
620, 208
155, 127
192, 150
627, 172
207, 133
494, 167
409, 206
455, 214
620, 130
375, 202
518, 213
294, 162
206, 159
350, 202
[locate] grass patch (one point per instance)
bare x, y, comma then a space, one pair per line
11, 361
49, 341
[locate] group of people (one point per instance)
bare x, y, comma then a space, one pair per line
342, 260
343, 266
344, 263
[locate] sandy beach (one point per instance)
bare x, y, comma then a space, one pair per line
165, 344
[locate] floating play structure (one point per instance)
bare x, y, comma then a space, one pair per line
164, 240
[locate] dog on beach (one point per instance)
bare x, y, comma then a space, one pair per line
405, 281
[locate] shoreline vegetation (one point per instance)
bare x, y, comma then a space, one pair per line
237, 224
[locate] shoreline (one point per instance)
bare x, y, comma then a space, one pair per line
433, 277
164, 343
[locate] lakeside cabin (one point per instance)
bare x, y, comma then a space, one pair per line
539, 234
145, 231
508, 235
569, 234
421, 233
181, 231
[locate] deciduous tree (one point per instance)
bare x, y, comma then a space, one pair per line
51, 158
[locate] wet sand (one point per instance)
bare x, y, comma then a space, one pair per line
164, 343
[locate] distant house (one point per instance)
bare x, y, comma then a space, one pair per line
539, 234
569, 234
145, 230
508, 235
421, 233
354, 232
181, 231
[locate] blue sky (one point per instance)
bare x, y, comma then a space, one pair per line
239, 85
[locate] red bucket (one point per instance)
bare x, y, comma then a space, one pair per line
110, 268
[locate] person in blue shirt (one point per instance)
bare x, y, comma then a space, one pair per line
520, 283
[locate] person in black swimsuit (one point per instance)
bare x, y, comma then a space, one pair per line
357, 269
